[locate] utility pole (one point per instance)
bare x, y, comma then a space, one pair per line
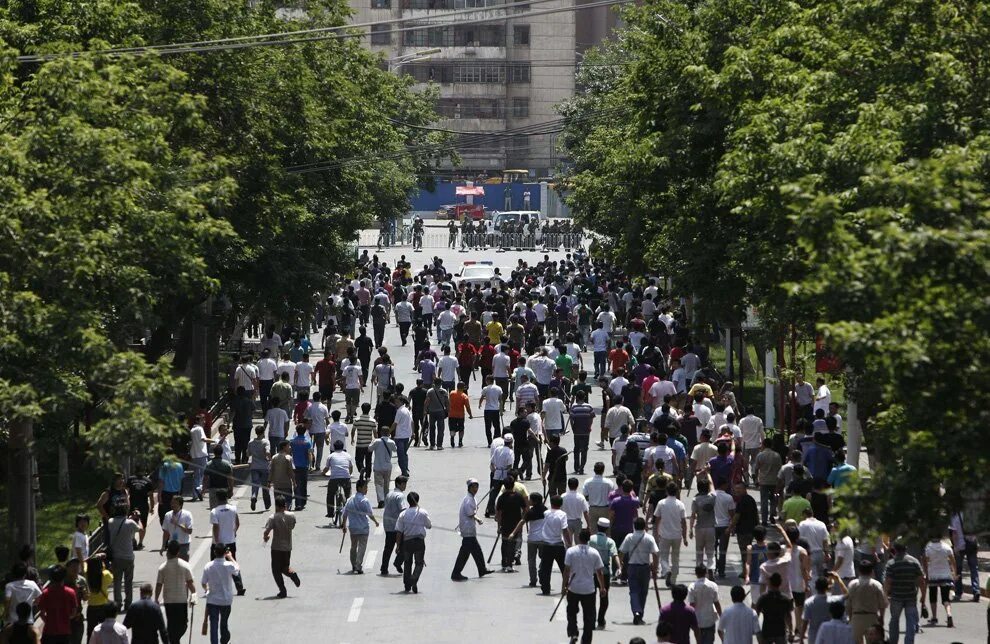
21, 528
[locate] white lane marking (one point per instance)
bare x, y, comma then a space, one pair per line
369, 558
355, 609
380, 530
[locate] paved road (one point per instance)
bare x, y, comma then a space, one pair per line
337, 607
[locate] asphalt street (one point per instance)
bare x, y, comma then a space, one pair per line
333, 606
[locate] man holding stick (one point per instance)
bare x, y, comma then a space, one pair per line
582, 567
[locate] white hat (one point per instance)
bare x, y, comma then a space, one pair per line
604, 523
507, 438
471, 482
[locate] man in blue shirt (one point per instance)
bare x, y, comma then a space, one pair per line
841, 472
302, 460
818, 459
720, 467
170, 475
357, 510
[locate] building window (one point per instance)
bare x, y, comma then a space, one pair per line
471, 108
381, 4
520, 35
381, 35
520, 107
518, 72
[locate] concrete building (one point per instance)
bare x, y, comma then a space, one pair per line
496, 77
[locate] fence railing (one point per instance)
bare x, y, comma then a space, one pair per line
470, 241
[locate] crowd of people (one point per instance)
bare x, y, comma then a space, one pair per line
653, 424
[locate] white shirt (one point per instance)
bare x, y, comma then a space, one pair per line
352, 376
304, 374
834, 631
822, 399
403, 311
724, 504
80, 541
446, 320
492, 395
413, 522
554, 524
338, 432
703, 594
288, 367
448, 368
664, 455
607, 318
679, 378
501, 460
845, 548
276, 419
575, 505
183, 519
752, 431
596, 490
553, 410
617, 416
739, 623
583, 561
197, 442
543, 367
339, 464
426, 303
599, 340
703, 414
20, 591
671, 512
938, 554
266, 369
639, 546
225, 517
403, 422
244, 376
662, 388
218, 575
317, 415
500, 365
815, 533
109, 631
465, 517
616, 385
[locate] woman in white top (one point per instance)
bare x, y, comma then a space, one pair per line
940, 571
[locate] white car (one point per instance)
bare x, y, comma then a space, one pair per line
477, 272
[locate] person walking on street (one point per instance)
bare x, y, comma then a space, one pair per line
282, 473
467, 522
738, 623
703, 598
402, 433
122, 530
670, 530
583, 573
226, 522
362, 434
358, 511
597, 490
437, 407
340, 466
964, 545
57, 604
902, 580
609, 553
395, 503
509, 511
556, 539
259, 451
641, 556
940, 572
866, 602
174, 586
108, 631
218, 585
411, 530
302, 460
219, 476
278, 528
144, 618
460, 404
382, 450
500, 463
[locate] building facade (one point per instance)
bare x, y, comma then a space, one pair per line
502, 77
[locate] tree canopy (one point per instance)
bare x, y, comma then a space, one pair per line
825, 162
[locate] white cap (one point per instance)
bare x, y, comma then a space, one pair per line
471, 482
507, 438
604, 523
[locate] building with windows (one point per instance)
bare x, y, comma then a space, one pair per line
503, 77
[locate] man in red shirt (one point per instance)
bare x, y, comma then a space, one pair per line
487, 353
57, 606
618, 358
467, 357
326, 374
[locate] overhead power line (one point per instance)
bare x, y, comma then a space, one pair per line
325, 33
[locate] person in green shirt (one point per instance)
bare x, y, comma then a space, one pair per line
794, 507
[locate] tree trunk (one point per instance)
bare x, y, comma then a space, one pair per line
21, 528
63, 469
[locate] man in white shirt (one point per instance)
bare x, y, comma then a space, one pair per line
703, 597
607, 319
552, 413
618, 415
340, 466
640, 550
491, 404
500, 371
218, 584
447, 369
678, 376
246, 375
835, 630
599, 345
670, 531
752, 437
543, 366
467, 523
815, 532
445, 327
318, 415
198, 454
226, 522
304, 377
596, 490
286, 366
277, 424
725, 507
823, 397
353, 386
738, 623
403, 317
582, 568
556, 540
502, 458
402, 432
575, 506
267, 371
177, 526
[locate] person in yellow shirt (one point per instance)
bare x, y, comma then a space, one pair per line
100, 581
495, 329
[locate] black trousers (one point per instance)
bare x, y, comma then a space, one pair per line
362, 458
404, 331
177, 618
508, 551
581, 451
495, 489
524, 457
586, 603
413, 550
603, 605
281, 560
550, 554
469, 548
387, 552
379, 335
332, 486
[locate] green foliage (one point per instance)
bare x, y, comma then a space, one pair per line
826, 162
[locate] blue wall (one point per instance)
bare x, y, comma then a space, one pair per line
494, 198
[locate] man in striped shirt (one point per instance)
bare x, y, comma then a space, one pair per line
526, 393
362, 433
582, 418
